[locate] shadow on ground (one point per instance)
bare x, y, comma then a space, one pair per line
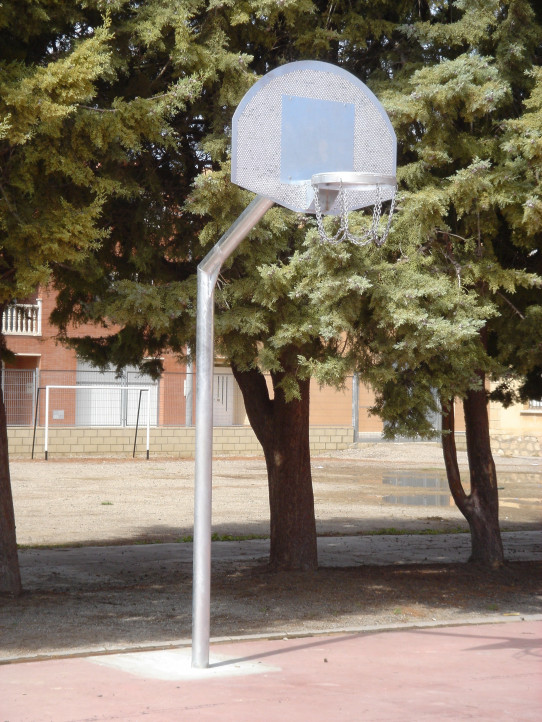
155, 607
334, 526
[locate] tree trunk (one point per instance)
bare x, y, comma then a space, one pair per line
483, 498
10, 575
283, 430
481, 507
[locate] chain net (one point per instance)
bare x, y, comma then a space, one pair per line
372, 235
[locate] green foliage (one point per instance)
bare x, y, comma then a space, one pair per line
466, 113
149, 118
142, 131
50, 199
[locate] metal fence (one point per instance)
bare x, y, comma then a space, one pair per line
19, 388
171, 399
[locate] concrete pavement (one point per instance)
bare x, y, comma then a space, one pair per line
483, 671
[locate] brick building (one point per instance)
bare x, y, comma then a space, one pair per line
40, 361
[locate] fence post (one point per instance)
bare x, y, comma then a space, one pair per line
36, 411
137, 422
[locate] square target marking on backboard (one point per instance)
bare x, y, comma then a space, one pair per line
317, 136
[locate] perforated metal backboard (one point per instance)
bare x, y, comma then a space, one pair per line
306, 118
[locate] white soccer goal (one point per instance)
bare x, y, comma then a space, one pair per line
98, 406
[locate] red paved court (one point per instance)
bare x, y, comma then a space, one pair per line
482, 672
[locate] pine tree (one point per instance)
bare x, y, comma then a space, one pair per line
50, 198
430, 313
457, 104
90, 153
152, 293
292, 307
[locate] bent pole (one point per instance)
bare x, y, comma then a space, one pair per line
208, 271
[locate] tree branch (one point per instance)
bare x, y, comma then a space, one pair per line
258, 405
116, 110
447, 233
162, 71
450, 454
8, 204
511, 305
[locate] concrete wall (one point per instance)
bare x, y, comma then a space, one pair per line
509, 444
227, 441
518, 420
164, 441
514, 445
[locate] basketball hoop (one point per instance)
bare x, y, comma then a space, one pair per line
313, 138
331, 190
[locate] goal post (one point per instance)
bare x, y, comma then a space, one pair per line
106, 407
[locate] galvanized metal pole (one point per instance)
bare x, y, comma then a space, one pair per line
208, 271
355, 407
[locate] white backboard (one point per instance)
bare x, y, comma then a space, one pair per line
306, 118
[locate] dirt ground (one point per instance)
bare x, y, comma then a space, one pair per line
380, 487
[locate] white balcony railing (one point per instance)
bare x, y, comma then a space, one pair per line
22, 319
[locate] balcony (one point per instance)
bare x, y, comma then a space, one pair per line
22, 319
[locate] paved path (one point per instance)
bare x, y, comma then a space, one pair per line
484, 672
101, 564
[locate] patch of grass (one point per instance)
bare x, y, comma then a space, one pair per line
106, 503
225, 537
387, 531
392, 531
65, 545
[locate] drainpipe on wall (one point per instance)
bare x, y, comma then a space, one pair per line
355, 407
189, 390
38, 329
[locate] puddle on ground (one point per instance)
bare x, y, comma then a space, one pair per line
419, 481
419, 499
350, 486
516, 490
427, 481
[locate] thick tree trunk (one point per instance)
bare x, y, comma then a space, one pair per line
483, 498
283, 431
10, 575
481, 506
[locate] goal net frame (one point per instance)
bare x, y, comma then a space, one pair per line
85, 387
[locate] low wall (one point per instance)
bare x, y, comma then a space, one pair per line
179, 441
164, 441
508, 444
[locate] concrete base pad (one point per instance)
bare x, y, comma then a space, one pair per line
176, 664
